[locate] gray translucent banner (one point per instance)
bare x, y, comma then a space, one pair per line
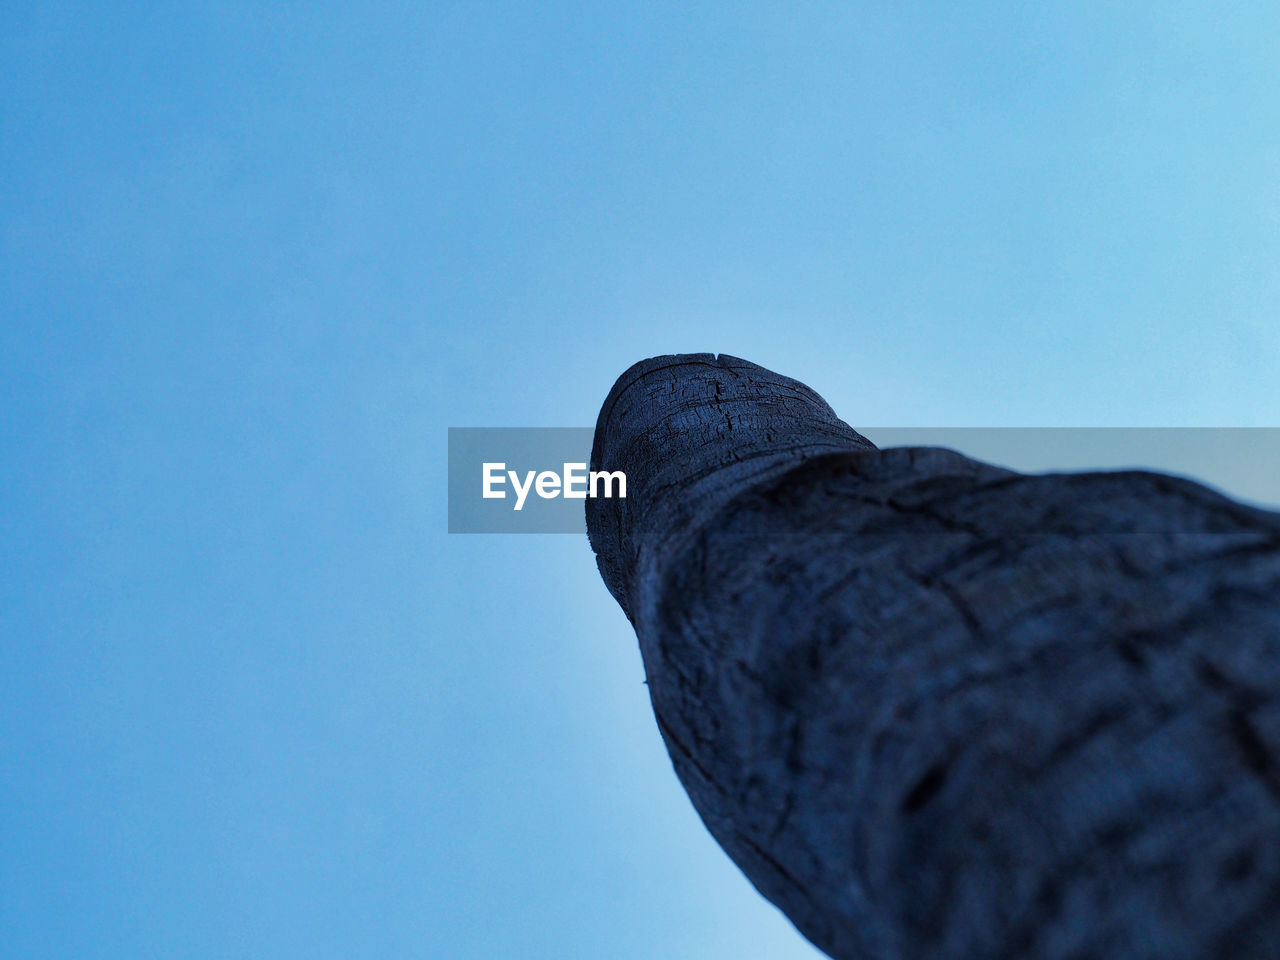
520, 450
1243, 463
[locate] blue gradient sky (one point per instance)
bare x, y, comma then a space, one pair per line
254, 259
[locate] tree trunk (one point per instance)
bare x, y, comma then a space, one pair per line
937, 709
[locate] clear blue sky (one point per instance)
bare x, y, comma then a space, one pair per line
255, 258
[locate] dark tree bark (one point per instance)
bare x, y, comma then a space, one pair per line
937, 709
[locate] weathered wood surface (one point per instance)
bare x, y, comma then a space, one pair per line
937, 709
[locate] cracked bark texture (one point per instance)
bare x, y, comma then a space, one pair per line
935, 708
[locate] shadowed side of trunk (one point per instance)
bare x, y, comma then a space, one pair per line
933, 708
